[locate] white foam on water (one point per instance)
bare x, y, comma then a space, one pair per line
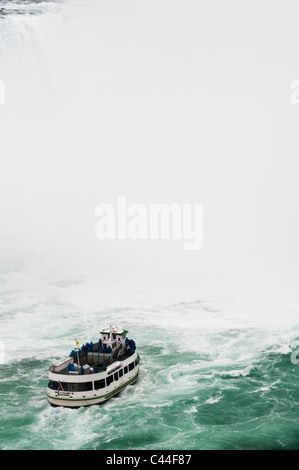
212, 401
193, 409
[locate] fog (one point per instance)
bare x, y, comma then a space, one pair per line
163, 102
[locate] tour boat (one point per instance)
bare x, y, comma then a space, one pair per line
95, 372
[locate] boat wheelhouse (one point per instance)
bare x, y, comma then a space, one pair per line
95, 372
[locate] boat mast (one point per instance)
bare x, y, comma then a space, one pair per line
77, 349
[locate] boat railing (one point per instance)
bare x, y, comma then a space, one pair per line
61, 367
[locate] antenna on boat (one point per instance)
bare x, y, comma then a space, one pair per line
77, 349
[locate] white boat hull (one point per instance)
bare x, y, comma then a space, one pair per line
92, 397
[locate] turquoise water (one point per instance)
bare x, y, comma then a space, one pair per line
210, 377
177, 403
203, 407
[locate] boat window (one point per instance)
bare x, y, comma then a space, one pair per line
99, 384
70, 387
109, 380
76, 387
116, 376
66, 387
53, 385
121, 372
125, 369
131, 366
84, 387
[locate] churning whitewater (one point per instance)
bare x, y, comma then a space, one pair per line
209, 377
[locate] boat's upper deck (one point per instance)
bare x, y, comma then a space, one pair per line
96, 357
